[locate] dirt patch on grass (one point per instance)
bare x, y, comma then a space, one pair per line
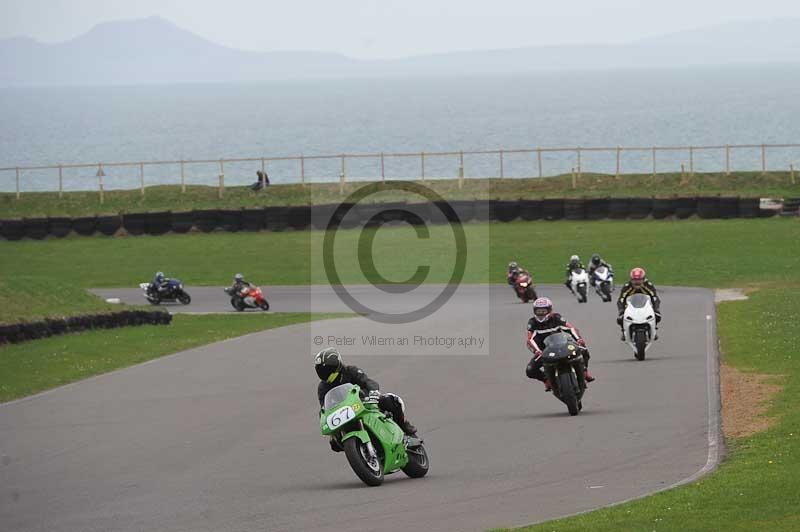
745, 400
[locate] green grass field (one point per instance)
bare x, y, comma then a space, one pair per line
31, 367
757, 487
162, 198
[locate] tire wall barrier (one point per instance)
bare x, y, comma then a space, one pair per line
21, 332
302, 217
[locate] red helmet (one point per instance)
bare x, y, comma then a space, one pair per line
637, 276
542, 308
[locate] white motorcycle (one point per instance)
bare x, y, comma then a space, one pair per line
603, 283
579, 281
639, 324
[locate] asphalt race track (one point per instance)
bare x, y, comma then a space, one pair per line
226, 437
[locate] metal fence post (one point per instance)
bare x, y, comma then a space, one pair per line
574, 181
422, 165
727, 160
578, 151
221, 189
539, 160
302, 170
141, 178
460, 170
691, 161
654, 161
100, 184
60, 181
502, 171
763, 160
383, 169
341, 178
183, 179
791, 170
17, 182
618, 160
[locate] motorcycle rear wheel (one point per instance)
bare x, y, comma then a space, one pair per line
356, 453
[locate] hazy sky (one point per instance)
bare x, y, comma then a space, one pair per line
391, 28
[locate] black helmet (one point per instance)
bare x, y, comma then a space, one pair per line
328, 364
513, 266
596, 259
238, 277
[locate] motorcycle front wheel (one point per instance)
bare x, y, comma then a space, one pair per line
265, 305
566, 390
184, 298
640, 341
368, 469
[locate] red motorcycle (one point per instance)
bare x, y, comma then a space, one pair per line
523, 286
247, 297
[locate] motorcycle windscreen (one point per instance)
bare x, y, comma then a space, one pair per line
556, 340
337, 395
638, 301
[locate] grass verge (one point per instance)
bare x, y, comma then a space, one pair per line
162, 198
31, 367
757, 486
48, 277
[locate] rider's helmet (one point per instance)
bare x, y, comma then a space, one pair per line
637, 277
542, 309
513, 266
596, 259
159, 277
238, 278
328, 364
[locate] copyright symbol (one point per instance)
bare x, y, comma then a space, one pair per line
365, 246
318, 340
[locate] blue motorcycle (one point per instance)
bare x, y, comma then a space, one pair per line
170, 293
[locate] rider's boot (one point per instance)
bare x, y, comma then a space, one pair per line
409, 429
547, 386
588, 376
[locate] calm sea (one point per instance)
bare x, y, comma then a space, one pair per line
630, 108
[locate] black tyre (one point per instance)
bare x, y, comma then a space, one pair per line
233, 303
567, 386
238, 304
265, 305
582, 294
417, 466
184, 298
640, 341
605, 288
369, 470
531, 292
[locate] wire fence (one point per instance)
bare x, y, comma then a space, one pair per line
353, 167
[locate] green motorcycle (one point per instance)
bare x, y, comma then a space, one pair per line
374, 444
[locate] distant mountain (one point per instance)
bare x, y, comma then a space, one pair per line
154, 50
151, 50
